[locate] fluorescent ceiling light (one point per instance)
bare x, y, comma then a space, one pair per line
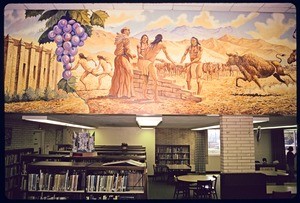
148, 121
275, 127
45, 119
208, 127
255, 120
260, 119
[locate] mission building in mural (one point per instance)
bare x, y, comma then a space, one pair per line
149, 62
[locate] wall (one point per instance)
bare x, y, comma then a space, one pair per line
263, 148
22, 134
131, 136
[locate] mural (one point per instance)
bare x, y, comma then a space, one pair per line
149, 62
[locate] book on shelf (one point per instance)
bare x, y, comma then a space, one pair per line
128, 162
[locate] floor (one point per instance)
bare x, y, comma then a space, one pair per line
160, 189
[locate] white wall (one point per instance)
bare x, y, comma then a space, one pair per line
263, 147
213, 163
131, 136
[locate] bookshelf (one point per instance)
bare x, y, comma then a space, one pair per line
172, 154
13, 171
80, 180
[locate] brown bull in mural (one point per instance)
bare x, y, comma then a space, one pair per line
253, 67
292, 57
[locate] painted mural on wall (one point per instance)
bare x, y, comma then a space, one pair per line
149, 61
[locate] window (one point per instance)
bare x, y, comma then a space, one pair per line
290, 139
213, 141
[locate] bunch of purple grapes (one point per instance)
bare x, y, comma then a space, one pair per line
68, 35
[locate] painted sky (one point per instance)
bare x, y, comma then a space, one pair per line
276, 28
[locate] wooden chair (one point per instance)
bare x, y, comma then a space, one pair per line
214, 187
157, 172
181, 189
281, 195
203, 190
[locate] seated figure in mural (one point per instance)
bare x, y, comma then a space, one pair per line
122, 80
83, 62
150, 56
107, 69
195, 52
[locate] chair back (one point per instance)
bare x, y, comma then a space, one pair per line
282, 195
215, 182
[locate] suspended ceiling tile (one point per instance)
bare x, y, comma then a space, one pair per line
127, 6
15, 6
291, 10
186, 6
40, 6
73, 6
158, 6
273, 9
97, 6
217, 6
246, 7
273, 5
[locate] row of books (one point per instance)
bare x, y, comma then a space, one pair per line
11, 159
11, 171
73, 182
55, 182
114, 183
11, 183
174, 156
111, 197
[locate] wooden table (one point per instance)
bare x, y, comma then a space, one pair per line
273, 173
282, 188
194, 178
177, 169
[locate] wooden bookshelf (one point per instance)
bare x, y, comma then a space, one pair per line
80, 180
13, 171
172, 154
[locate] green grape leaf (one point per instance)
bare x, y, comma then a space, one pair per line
55, 18
62, 84
98, 18
80, 16
47, 14
44, 37
67, 85
33, 13
88, 29
72, 82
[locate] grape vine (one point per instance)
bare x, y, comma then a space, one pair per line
68, 35
68, 29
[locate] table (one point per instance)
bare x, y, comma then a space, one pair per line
177, 170
178, 167
194, 178
273, 173
281, 188
278, 177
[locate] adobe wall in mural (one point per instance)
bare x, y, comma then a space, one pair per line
149, 62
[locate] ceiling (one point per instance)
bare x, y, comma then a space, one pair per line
232, 7
169, 121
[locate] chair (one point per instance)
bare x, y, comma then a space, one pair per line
157, 172
281, 195
181, 188
214, 187
203, 189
